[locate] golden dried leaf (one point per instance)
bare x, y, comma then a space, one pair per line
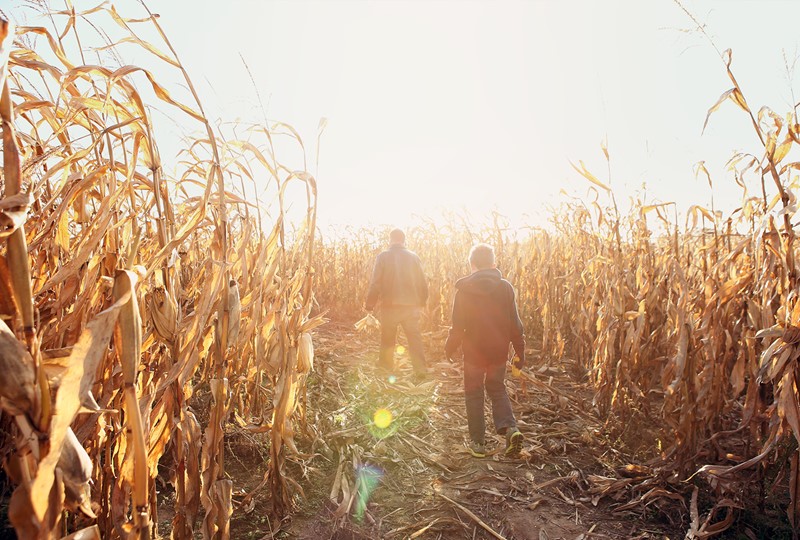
734, 95
589, 176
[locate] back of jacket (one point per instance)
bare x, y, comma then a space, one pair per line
485, 319
397, 280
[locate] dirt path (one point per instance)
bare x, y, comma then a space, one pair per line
415, 478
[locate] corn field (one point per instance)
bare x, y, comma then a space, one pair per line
124, 290
688, 327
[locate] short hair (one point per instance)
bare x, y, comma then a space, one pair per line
397, 236
481, 256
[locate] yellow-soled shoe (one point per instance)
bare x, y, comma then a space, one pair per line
477, 450
514, 442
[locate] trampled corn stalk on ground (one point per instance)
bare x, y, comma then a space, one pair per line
123, 289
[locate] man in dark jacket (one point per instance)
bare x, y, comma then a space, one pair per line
485, 321
399, 283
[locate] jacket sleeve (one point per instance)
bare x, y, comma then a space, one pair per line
374, 291
456, 335
517, 330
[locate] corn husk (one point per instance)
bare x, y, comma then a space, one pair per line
163, 311
17, 382
305, 353
75, 466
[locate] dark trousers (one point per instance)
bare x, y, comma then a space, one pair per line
408, 318
491, 376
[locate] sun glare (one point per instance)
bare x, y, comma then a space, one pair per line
382, 418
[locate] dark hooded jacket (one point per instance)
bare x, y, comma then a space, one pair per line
397, 280
485, 319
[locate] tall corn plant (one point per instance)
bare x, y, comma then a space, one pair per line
131, 288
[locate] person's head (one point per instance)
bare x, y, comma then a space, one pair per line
481, 257
397, 237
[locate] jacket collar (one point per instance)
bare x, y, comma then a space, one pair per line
486, 272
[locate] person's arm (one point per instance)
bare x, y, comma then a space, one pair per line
374, 291
456, 335
423, 285
517, 330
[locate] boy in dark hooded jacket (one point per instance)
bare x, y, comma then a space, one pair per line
485, 321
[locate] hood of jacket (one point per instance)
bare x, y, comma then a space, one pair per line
481, 282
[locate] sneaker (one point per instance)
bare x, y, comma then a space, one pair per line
477, 449
513, 442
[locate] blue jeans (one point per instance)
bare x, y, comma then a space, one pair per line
408, 318
478, 376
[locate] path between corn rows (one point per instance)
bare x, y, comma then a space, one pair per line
415, 479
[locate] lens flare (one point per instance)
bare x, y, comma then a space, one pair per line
369, 477
382, 418
392, 379
400, 349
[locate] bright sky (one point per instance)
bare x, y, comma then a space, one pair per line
450, 105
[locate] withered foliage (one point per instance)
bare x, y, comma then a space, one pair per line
123, 290
687, 330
